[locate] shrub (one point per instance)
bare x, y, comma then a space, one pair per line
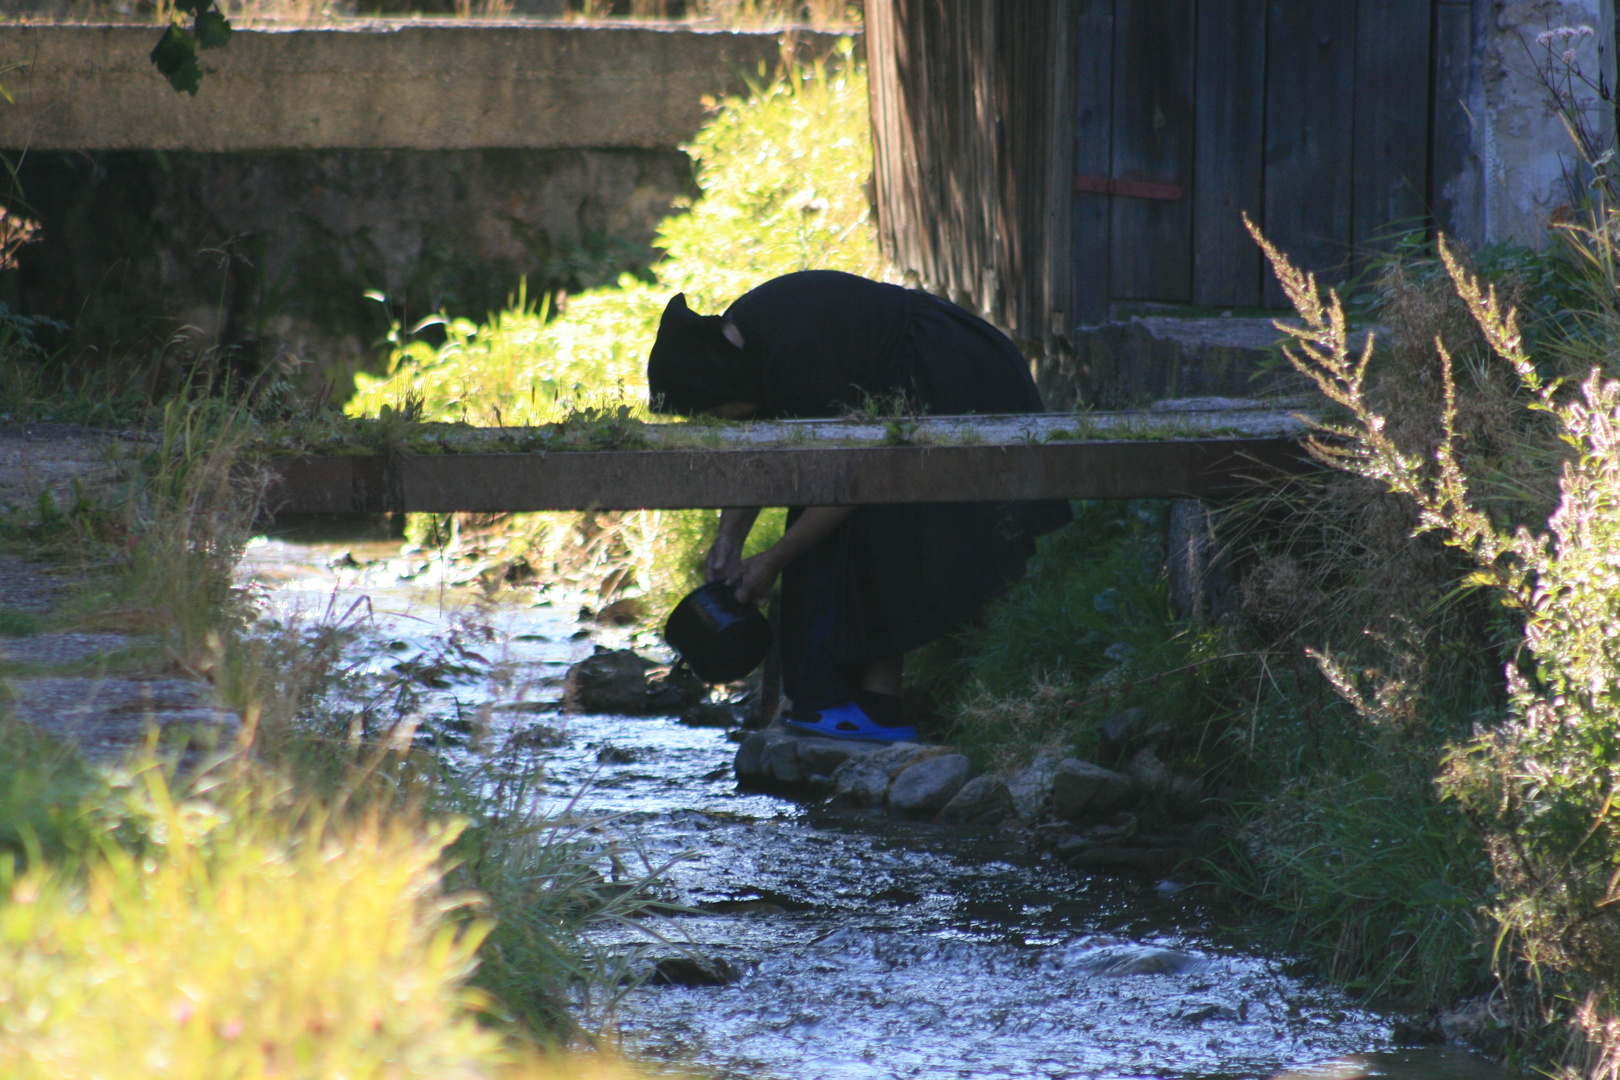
232, 927
1087, 633
241, 941
1541, 784
237, 930
781, 174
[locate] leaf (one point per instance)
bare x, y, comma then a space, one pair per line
213, 29
175, 56
194, 7
172, 49
188, 77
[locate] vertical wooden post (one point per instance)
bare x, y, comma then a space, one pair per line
1229, 150
1310, 117
1152, 140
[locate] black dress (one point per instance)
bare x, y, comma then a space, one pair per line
890, 578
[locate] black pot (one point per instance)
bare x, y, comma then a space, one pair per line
720, 637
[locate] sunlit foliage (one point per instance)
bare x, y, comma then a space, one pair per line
781, 173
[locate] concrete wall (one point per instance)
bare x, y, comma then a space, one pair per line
1525, 153
384, 85
434, 164
272, 254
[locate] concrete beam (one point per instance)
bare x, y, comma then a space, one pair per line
385, 85
675, 479
1197, 448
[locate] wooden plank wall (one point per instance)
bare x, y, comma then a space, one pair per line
1151, 257
1333, 123
1093, 156
1310, 120
975, 155
1229, 149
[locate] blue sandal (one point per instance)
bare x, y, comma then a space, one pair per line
848, 721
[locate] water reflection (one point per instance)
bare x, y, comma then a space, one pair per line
1438, 1063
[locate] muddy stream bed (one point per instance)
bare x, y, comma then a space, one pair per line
866, 947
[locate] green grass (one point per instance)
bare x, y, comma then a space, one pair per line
15, 623
1332, 835
1088, 632
1378, 884
177, 956
306, 838
231, 928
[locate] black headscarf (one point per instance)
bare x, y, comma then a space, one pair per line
692, 367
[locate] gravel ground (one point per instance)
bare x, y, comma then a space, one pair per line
104, 716
30, 586
68, 647
53, 457
107, 717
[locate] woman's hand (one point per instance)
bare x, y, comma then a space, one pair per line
756, 576
724, 561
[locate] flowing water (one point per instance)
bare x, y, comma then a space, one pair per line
867, 947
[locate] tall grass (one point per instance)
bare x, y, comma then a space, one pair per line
316, 850
232, 928
1369, 880
241, 942
1332, 830
554, 879
1539, 782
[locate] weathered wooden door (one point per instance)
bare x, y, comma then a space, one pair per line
1327, 121
1046, 161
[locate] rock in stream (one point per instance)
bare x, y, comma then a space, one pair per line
622, 681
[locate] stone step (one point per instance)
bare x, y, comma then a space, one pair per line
1133, 362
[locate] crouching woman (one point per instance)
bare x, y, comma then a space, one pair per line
863, 585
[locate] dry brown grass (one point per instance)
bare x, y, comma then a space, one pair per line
1339, 564
1025, 724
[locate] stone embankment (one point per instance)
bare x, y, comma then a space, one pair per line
1134, 819
1090, 816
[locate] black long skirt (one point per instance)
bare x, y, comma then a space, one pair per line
894, 577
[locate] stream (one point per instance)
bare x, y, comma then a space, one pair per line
868, 948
